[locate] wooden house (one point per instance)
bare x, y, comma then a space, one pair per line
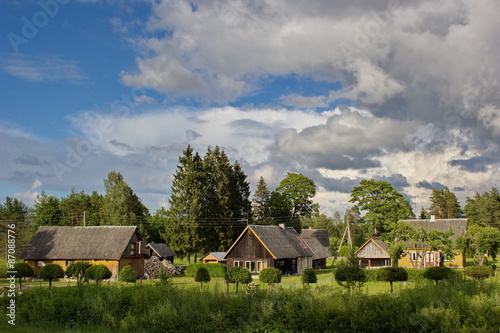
213, 258
436, 258
260, 246
374, 253
160, 250
319, 242
112, 246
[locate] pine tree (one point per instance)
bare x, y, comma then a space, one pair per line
484, 209
260, 206
444, 204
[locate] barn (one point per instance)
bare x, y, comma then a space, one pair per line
112, 246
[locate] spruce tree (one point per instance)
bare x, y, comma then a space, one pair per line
182, 220
260, 202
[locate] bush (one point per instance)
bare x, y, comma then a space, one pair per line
240, 275
98, 273
392, 274
215, 270
127, 274
202, 275
309, 276
479, 272
77, 269
51, 272
23, 270
438, 273
349, 276
270, 275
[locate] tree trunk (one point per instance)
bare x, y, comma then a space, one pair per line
391, 286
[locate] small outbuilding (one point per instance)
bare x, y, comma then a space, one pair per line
374, 253
160, 250
213, 258
318, 241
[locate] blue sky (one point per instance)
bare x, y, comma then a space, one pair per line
400, 91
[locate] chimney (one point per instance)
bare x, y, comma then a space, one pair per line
282, 226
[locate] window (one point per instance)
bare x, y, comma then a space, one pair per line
132, 249
69, 262
238, 263
40, 263
260, 266
413, 256
250, 265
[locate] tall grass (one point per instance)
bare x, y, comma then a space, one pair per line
460, 306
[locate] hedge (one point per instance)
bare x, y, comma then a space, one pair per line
215, 270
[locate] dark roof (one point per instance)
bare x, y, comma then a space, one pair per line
459, 226
162, 250
217, 255
318, 241
79, 243
281, 243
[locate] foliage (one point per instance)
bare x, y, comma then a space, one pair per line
349, 276
298, 190
98, 273
127, 274
260, 202
382, 203
438, 273
309, 276
392, 274
240, 275
215, 270
23, 270
444, 204
15, 212
77, 269
270, 275
202, 275
120, 204
47, 210
479, 242
479, 272
465, 307
484, 209
51, 272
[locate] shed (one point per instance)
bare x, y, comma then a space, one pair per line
160, 250
374, 253
319, 242
213, 258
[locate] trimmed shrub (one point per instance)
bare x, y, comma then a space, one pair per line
127, 274
215, 270
202, 275
392, 274
479, 272
270, 275
77, 269
239, 275
349, 276
438, 273
51, 272
309, 276
23, 270
98, 273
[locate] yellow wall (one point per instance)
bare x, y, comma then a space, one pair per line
457, 262
113, 265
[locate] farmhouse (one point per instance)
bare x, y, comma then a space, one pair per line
373, 254
319, 242
213, 258
112, 246
160, 250
435, 258
260, 246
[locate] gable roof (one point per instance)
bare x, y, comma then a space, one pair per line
162, 250
217, 255
281, 243
380, 245
318, 241
459, 226
79, 243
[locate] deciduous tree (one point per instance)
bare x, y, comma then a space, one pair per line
51, 272
23, 270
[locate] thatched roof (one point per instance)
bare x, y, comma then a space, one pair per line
79, 243
459, 226
282, 243
318, 241
161, 249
